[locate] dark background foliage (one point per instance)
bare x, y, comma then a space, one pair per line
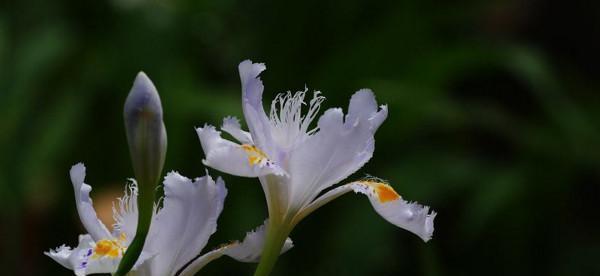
493, 122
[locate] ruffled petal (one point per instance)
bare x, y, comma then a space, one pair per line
85, 208
203, 260
252, 86
387, 203
248, 250
252, 90
61, 255
84, 260
232, 126
241, 160
363, 107
183, 226
338, 149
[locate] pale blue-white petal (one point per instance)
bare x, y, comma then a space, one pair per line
232, 126
338, 149
85, 208
254, 113
249, 250
387, 203
252, 86
363, 107
82, 259
241, 160
183, 226
61, 255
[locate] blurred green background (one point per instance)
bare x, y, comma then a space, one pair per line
493, 122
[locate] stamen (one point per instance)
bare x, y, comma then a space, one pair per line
286, 115
313, 110
127, 206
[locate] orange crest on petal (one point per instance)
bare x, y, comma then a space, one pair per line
385, 192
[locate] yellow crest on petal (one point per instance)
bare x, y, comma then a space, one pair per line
255, 155
110, 248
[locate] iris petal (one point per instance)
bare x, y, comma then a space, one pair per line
252, 90
410, 216
337, 150
85, 208
183, 226
241, 160
249, 250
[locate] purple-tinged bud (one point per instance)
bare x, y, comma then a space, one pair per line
145, 130
147, 139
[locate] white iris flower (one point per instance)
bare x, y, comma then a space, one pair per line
297, 162
179, 230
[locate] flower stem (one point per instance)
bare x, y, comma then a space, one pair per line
276, 236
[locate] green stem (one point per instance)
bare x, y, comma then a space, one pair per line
276, 236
